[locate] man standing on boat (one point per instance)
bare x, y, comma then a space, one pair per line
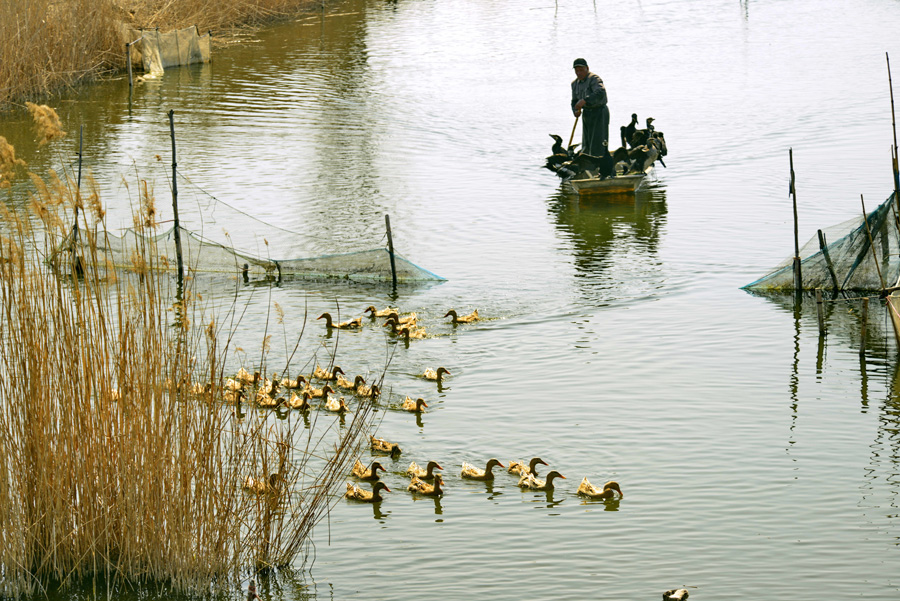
589, 100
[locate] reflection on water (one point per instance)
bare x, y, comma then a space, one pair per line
615, 242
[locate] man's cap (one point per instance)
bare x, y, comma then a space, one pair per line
579, 62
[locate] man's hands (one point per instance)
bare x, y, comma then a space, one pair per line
578, 106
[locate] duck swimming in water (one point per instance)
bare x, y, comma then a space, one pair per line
609, 490
336, 405
432, 374
383, 446
322, 374
471, 472
417, 485
362, 472
529, 482
355, 493
427, 474
346, 384
344, 325
373, 312
517, 467
300, 403
473, 316
413, 406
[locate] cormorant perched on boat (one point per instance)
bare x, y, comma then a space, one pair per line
644, 156
585, 166
628, 130
640, 136
559, 155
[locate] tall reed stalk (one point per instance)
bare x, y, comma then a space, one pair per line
111, 469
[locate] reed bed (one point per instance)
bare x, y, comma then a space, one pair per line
48, 45
112, 470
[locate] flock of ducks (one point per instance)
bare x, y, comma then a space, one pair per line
406, 326
430, 483
640, 149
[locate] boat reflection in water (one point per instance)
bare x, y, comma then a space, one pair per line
614, 241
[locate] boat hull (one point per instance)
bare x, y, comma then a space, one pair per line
621, 184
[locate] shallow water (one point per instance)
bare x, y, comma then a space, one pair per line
755, 462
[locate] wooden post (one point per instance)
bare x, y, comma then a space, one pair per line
872, 243
820, 311
175, 202
823, 245
865, 320
798, 278
894, 127
128, 63
387, 222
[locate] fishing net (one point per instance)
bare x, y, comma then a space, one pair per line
158, 51
860, 257
218, 238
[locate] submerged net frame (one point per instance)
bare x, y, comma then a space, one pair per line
862, 258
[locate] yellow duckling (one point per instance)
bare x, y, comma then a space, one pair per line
233, 396
344, 325
473, 316
473, 473
517, 467
383, 446
426, 474
529, 482
321, 374
379, 313
346, 384
362, 472
413, 406
355, 493
409, 320
260, 486
414, 334
318, 393
438, 374
368, 391
586, 489
336, 405
417, 485
243, 376
267, 401
299, 402
300, 382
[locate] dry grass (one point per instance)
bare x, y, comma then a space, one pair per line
46, 45
111, 469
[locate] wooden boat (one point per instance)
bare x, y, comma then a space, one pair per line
618, 184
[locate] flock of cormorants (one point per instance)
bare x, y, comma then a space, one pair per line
640, 149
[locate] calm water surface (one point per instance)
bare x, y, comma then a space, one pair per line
756, 462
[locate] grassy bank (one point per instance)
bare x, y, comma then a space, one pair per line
48, 45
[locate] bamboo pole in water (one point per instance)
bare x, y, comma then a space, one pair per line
175, 201
798, 278
894, 127
387, 223
823, 245
872, 243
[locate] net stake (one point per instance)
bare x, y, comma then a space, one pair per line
387, 223
871, 242
175, 202
823, 246
798, 278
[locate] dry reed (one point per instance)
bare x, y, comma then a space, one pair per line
112, 470
46, 45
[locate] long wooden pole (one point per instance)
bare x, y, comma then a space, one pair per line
823, 246
798, 278
175, 202
387, 223
894, 127
572, 137
871, 243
